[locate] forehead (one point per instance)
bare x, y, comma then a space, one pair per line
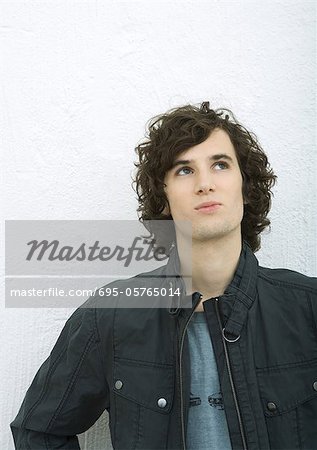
217, 142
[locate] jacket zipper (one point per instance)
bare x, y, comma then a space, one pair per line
181, 375
230, 378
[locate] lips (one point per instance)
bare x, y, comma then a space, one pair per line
207, 205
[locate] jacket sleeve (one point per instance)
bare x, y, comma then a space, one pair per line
69, 391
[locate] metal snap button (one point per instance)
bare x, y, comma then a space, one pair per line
315, 386
161, 403
271, 406
227, 339
118, 384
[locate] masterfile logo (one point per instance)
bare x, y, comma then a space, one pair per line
59, 263
55, 251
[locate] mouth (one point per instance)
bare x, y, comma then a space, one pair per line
208, 207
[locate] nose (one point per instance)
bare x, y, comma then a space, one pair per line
204, 183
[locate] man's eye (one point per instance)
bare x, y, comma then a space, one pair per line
179, 171
222, 165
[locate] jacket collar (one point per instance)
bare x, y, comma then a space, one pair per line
241, 293
242, 286
243, 283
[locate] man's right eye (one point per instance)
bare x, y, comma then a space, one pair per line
178, 172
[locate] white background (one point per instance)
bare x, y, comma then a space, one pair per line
79, 80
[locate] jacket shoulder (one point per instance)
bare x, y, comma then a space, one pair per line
121, 293
287, 277
140, 279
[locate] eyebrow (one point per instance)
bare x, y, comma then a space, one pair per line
217, 157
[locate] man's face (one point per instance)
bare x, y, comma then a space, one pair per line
207, 173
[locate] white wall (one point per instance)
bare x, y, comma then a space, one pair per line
79, 81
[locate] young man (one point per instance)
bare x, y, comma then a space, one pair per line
236, 370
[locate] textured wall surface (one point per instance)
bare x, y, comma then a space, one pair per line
78, 82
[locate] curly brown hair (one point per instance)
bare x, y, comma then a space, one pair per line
183, 127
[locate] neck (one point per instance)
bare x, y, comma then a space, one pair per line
214, 263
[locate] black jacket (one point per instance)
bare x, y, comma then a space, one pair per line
134, 362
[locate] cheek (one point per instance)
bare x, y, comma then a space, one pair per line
175, 195
179, 204
239, 189
240, 195
176, 203
232, 187
237, 199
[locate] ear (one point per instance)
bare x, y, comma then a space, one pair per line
166, 211
245, 198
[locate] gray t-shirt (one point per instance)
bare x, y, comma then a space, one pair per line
207, 424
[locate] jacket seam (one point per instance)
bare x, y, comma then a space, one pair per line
233, 321
46, 441
241, 298
291, 406
248, 393
287, 284
312, 315
96, 325
141, 363
103, 363
112, 375
138, 436
44, 387
146, 405
71, 383
99, 348
277, 368
297, 428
